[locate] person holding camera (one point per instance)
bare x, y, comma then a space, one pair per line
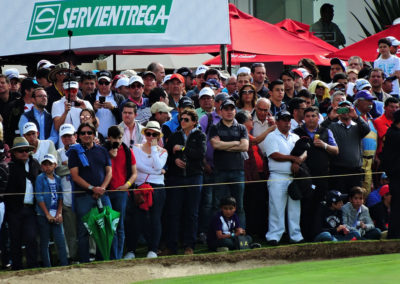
68, 108
145, 218
123, 165
106, 103
348, 132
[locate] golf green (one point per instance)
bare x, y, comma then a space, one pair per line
368, 269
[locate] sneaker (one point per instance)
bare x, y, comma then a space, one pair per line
151, 254
129, 255
222, 249
188, 251
255, 245
92, 257
273, 243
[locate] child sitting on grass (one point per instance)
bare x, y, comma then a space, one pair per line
356, 215
329, 221
49, 210
225, 229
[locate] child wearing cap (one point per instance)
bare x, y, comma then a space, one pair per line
356, 215
329, 224
49, 210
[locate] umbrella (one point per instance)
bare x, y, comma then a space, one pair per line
367, 48
101, 223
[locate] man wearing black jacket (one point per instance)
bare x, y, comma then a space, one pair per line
20, 210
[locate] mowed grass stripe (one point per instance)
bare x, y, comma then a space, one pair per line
367, 269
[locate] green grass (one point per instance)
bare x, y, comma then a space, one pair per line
367, 269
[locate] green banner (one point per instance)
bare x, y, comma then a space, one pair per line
103, 17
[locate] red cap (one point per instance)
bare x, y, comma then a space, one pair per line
177, 76
384, 190
298, 72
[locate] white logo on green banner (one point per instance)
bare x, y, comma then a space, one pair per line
102, 17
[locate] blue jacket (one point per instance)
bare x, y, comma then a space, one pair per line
42, 190
49, 132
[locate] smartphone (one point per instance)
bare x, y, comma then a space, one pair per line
102, 100
343, 110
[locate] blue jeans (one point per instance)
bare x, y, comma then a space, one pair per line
45, 230
118, 202
205, 211
228, 190
328, 237
183, 202
145, 222
83, 204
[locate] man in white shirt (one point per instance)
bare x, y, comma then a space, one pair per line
69, 107
279, 144
42, 147
390, 64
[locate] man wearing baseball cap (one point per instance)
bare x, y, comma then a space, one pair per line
149, 81
105, 103
206, 101
122, 87
282, 166
176, 89
199, 75
160, 112
69, 107
136, 88
363, 102
39, 115
42, 147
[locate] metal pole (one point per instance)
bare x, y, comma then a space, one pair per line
229, 62
222, 53
114, 64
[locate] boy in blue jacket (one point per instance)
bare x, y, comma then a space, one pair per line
49, 210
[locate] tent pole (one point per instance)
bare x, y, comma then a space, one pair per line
222, 53
229, 62
114, 64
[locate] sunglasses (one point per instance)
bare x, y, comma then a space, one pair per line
86, 132
104, 83
185, 119
23, 151
154, 134
63, 73
85, 116
339, 89
135, 86
247, 92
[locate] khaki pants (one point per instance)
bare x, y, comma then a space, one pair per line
367, 167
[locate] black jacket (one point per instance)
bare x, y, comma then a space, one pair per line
17, 182
118, 98
327, 220
380, 215
193, 154
391, 152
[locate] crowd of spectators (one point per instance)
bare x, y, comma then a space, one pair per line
200, 145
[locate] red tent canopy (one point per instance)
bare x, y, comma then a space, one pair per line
303, 30
367, 48
250, 35
237, 58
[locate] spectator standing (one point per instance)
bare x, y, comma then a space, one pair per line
259, 74
281, 165
20, 210
229, 140
276, 95
132, 129
136, 87
42, 147
87, 84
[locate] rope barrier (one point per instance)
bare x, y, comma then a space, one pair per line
193, 185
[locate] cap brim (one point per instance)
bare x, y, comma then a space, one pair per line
154, 129
108, 79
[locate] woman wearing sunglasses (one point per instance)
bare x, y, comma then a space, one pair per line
186, 148
150, 161
247, 98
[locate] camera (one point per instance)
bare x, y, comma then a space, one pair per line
343, 110
115, 145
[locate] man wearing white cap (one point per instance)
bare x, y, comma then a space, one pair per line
206, 101
15, 79
136, 88
199, 80
122, 87
69, 107
105, 103
395, 44
40, 116
243, 78
68, 137
42, 147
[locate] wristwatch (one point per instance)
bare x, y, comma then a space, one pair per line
90, 187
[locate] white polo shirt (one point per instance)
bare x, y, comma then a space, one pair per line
277, 142
73, 116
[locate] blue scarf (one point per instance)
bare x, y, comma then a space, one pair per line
81, 153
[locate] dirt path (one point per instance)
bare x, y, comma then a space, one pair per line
146, 269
